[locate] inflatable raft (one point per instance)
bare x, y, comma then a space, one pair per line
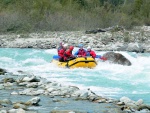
84, 62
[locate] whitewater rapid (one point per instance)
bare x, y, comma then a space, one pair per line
110, 80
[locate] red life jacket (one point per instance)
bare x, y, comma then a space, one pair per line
82, 52
61, 51
92, 53
67, 54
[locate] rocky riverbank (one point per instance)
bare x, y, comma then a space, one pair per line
136, 40
26, 93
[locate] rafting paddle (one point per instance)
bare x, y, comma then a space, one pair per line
101, 57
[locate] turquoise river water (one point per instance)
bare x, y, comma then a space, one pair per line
109, 80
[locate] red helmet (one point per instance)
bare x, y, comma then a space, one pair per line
71, 47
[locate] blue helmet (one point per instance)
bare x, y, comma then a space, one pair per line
80, 45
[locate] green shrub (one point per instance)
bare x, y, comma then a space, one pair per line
58, 15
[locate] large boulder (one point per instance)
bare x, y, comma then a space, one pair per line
117, 58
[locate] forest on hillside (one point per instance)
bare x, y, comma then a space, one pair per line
71, 15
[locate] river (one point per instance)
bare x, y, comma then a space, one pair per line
109, 80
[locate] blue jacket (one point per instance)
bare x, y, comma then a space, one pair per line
88, 53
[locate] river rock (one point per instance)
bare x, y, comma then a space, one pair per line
84, 95
125, 100
20, 110
18, 105
3, 111
135, 47
32, 85
143, 111
2, 71
117, 58
11, 80
67, 111
96, 38
102, 100
31, 79
143, 106
8, 84
2, 86
6, 101
139, 102
120, 103
34, 101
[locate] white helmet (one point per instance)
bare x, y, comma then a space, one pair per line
89, 48
65, 45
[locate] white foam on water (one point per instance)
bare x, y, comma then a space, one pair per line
134, 76
34, 61
103, 91
51, 51
140, 92
6, 59
138, 66
34, 52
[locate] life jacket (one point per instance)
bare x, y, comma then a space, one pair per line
81, 52
67, 54
91, 53
61, 51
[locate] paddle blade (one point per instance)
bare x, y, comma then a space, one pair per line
98, 56
56, 57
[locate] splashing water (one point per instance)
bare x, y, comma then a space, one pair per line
110, 80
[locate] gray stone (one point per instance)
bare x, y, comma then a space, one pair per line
18, 105
31, 79
134, 47
3, 111
6, 101
117, 58
67, 111
125, 100
2, 71
32, 85
2, 86
11, 80
34, 101
139, 102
